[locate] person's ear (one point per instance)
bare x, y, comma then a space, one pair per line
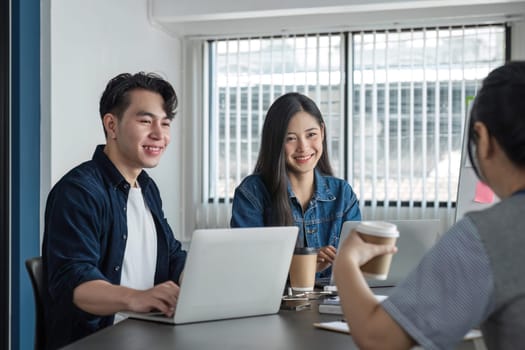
110, 125
484, 144
322, 131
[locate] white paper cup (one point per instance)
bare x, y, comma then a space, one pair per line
378, 232
302, 269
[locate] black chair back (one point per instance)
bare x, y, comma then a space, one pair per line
35, 269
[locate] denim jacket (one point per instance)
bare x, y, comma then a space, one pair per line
332, 203
85, 238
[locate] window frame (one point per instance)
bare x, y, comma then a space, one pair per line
199, 211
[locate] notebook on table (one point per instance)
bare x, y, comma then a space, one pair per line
416, 238
233, 272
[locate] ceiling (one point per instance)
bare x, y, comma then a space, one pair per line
212, 18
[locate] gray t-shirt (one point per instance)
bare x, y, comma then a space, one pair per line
450, 292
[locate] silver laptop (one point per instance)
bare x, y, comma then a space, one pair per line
416, 237
232, 272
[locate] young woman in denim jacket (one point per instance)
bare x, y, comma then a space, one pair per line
293, 182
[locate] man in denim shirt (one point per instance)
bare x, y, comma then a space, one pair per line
292, 183
107, 245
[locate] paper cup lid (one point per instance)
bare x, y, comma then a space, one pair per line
378, 228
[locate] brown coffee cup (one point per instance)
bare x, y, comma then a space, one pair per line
302, 269
378, 232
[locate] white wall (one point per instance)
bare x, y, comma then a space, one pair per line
90, 42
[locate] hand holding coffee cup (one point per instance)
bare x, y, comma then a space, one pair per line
377, 232
303, 268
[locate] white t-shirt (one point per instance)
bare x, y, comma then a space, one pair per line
140, 255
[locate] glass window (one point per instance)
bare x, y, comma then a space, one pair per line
394, 121
411, 151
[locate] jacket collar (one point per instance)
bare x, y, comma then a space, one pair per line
321, 191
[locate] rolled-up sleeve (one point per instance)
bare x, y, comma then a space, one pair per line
73, 238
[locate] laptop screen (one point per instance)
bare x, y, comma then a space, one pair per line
235, 272
416, 238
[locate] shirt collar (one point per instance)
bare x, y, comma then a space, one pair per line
110, 171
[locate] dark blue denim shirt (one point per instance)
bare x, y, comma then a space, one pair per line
85, 238
332, 203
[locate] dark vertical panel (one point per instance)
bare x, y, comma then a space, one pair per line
508, 42
25, 164
4, 173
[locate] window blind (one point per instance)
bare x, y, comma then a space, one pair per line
410, 90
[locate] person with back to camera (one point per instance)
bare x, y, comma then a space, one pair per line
107, 246
293, 183
474, 274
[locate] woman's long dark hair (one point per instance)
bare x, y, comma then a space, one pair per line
500, 105
271, 162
